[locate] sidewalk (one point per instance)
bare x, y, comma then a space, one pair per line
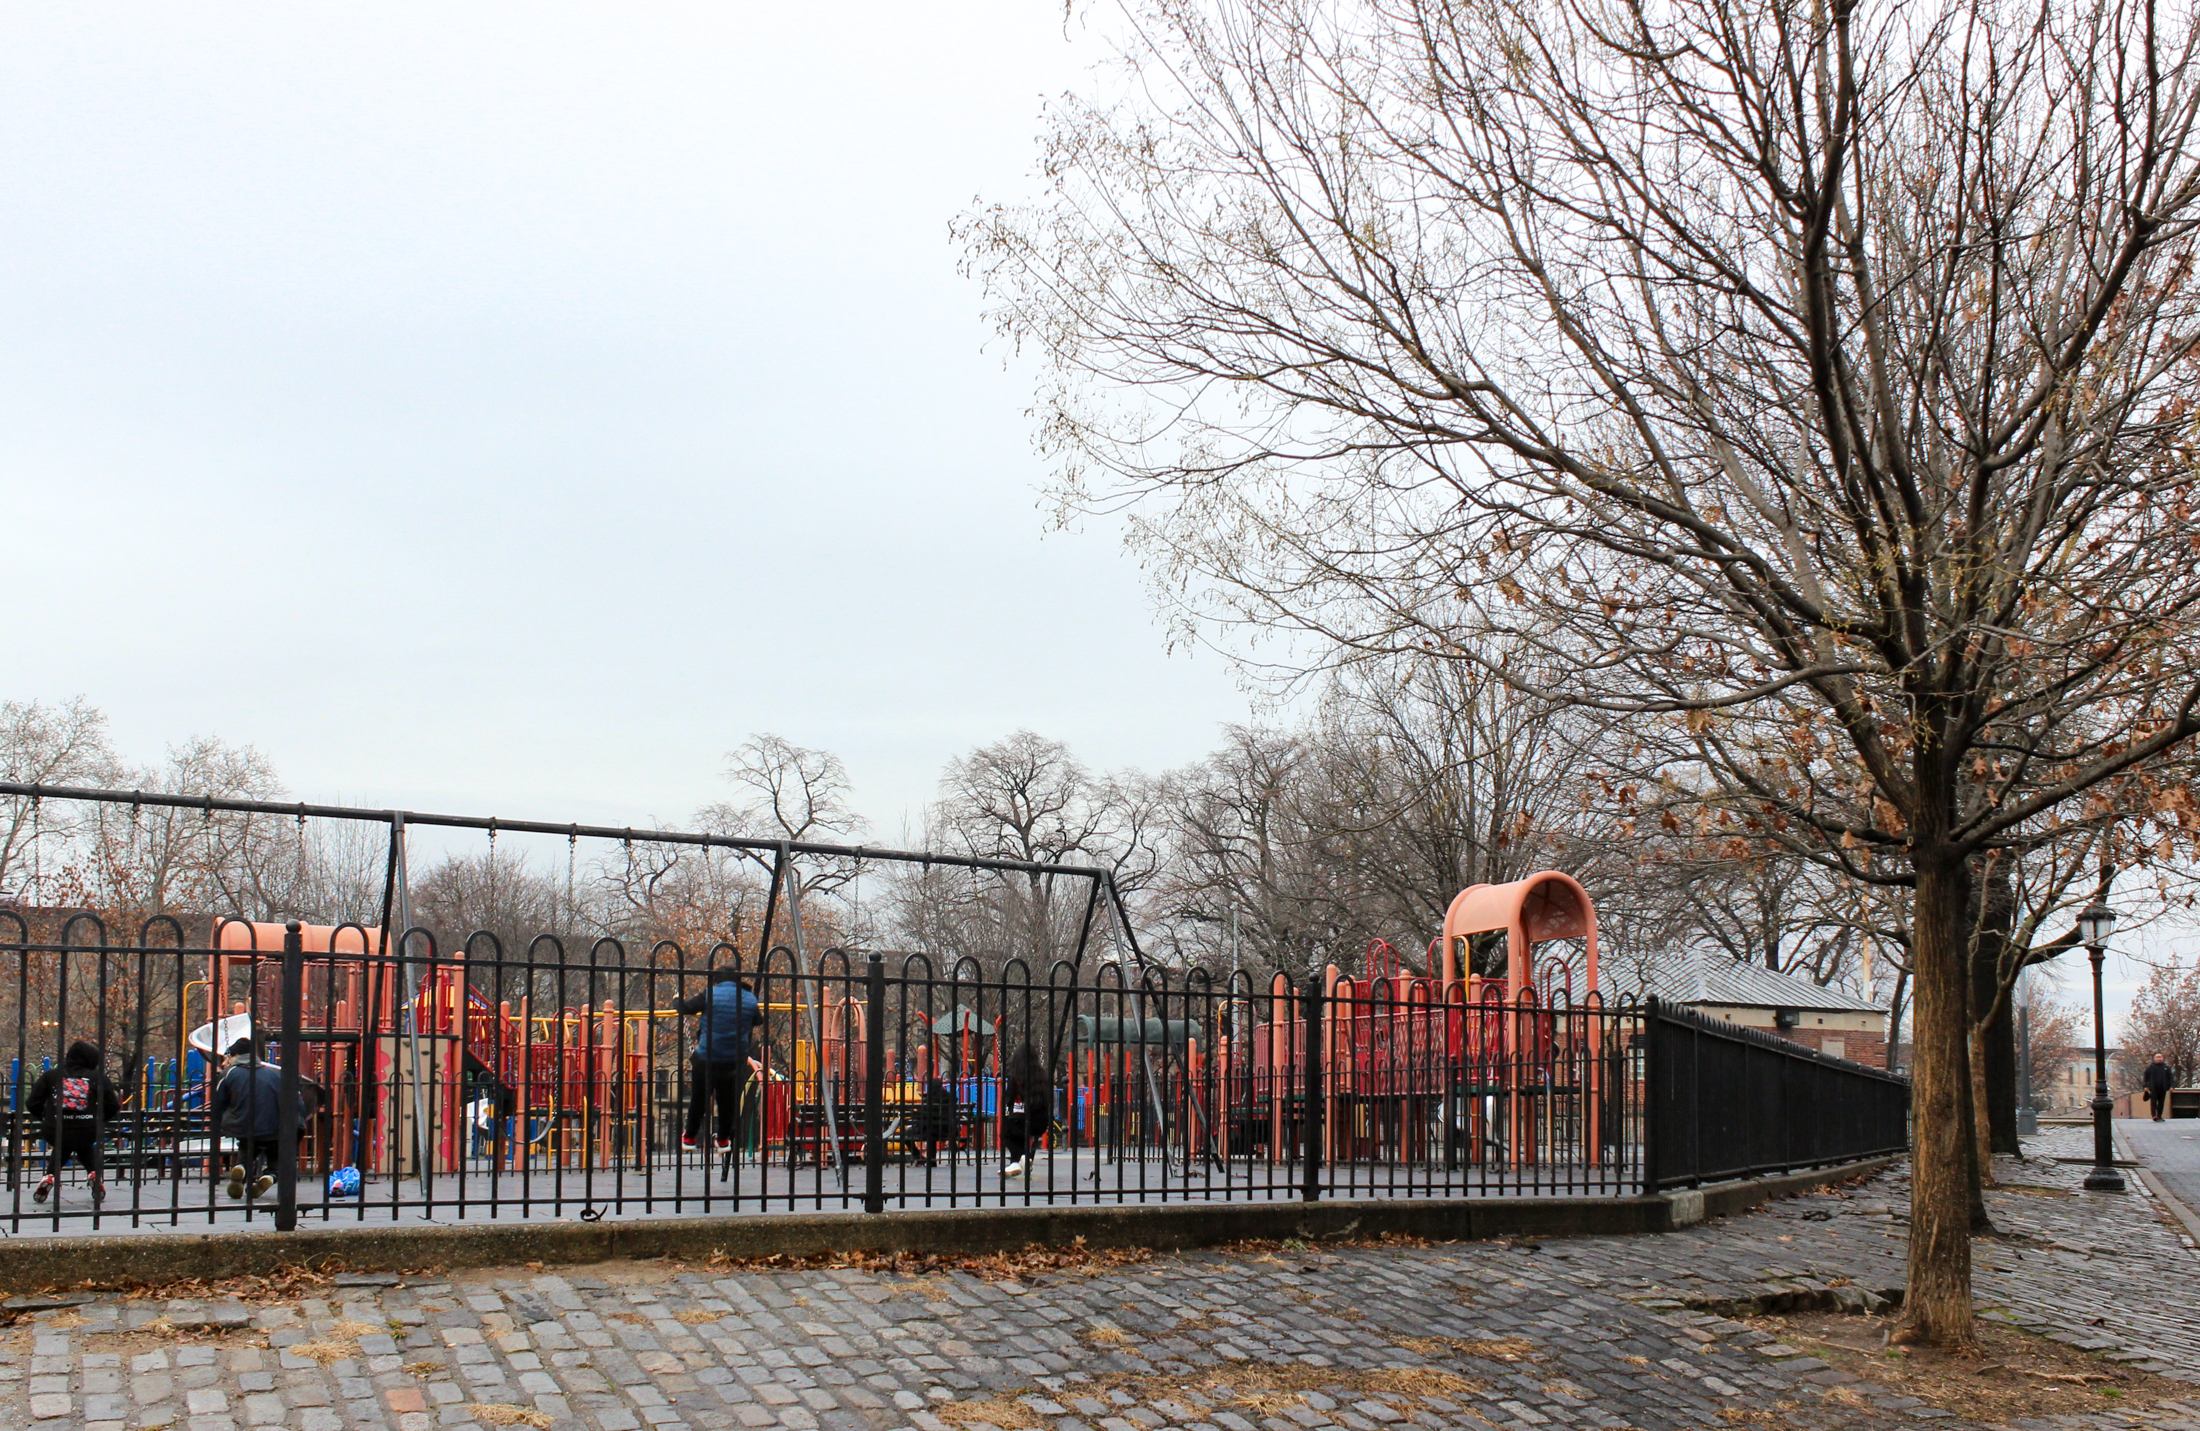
1595, 1332
2171, 1151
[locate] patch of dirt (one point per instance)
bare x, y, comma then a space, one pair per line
1006, 1412
283, 1287
2014, 1374
1256, 1247
1276, 1388
695, 1317
497, 1413
1504, 1349
338, 1343
160, 1332
1032, 1261
1257, 1389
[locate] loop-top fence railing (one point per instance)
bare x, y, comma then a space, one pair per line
479, 1083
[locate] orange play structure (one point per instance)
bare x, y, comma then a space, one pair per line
570, 1085
1410, 1058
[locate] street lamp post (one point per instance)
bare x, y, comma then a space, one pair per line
2094, 924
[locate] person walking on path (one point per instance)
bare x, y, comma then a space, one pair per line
2157, 1082
720, 1063
76, 1102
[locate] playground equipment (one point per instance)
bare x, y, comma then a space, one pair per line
1470, 1057
1491, 1051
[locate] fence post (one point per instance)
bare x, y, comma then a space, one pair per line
1651, 1025
874, 1084
1311, 1123
286, 1159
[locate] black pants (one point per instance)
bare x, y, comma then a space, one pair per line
1020, 1135
259, 1155
76, 1138
718, 1083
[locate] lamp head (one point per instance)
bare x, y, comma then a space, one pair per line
2094, 923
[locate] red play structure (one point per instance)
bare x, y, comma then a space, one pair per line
1468, 1058
1410, 1058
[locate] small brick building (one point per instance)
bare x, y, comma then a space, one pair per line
1833, 1021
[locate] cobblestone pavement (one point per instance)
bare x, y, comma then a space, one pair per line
1576, 1332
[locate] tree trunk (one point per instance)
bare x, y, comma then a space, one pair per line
1980, 993
1894, 1022
1936, 1308
2000, 1053
1978, 1166
1994, 1039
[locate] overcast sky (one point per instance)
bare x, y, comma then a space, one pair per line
509, 409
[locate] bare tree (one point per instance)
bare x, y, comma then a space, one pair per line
2053, 1030
40, 744
2165, 1019
1028, 799
1817, 376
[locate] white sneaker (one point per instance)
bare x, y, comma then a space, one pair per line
1014, 1170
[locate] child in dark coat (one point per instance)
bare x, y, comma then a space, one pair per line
76, 1102
1027, 1110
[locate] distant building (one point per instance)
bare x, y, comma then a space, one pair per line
1836, 1023
2068, 1078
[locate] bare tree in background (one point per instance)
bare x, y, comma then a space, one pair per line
2165, 1019
790, 792
1028, 799
1819, 376
2053, 1030
40, 744
1414, 779
493, 892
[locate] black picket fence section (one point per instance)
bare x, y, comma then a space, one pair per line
485, 1083
1727, 1102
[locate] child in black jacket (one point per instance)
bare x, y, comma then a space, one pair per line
76, 1102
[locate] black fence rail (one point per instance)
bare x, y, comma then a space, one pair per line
483, 1082
1728, 1102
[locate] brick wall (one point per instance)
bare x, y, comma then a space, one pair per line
1850, 1044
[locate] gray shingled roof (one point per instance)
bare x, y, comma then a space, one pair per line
1706, 976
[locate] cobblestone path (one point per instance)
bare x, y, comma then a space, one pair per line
1581, 1332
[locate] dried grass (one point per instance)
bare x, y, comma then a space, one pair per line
282, 1286
338, 1343
2011, 1375
696, 1316
1419, 1382
1505, 1349
1034, 1260
1006, 1412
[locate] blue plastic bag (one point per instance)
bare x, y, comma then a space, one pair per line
344, 1182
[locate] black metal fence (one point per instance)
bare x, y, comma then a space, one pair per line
490, 1083
1726, 1102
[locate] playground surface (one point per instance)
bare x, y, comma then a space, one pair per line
1640, 1332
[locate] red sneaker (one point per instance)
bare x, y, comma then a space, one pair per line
687, 1140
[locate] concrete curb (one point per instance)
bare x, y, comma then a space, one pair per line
30, 1264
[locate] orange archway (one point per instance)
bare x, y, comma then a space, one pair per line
1546, 905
